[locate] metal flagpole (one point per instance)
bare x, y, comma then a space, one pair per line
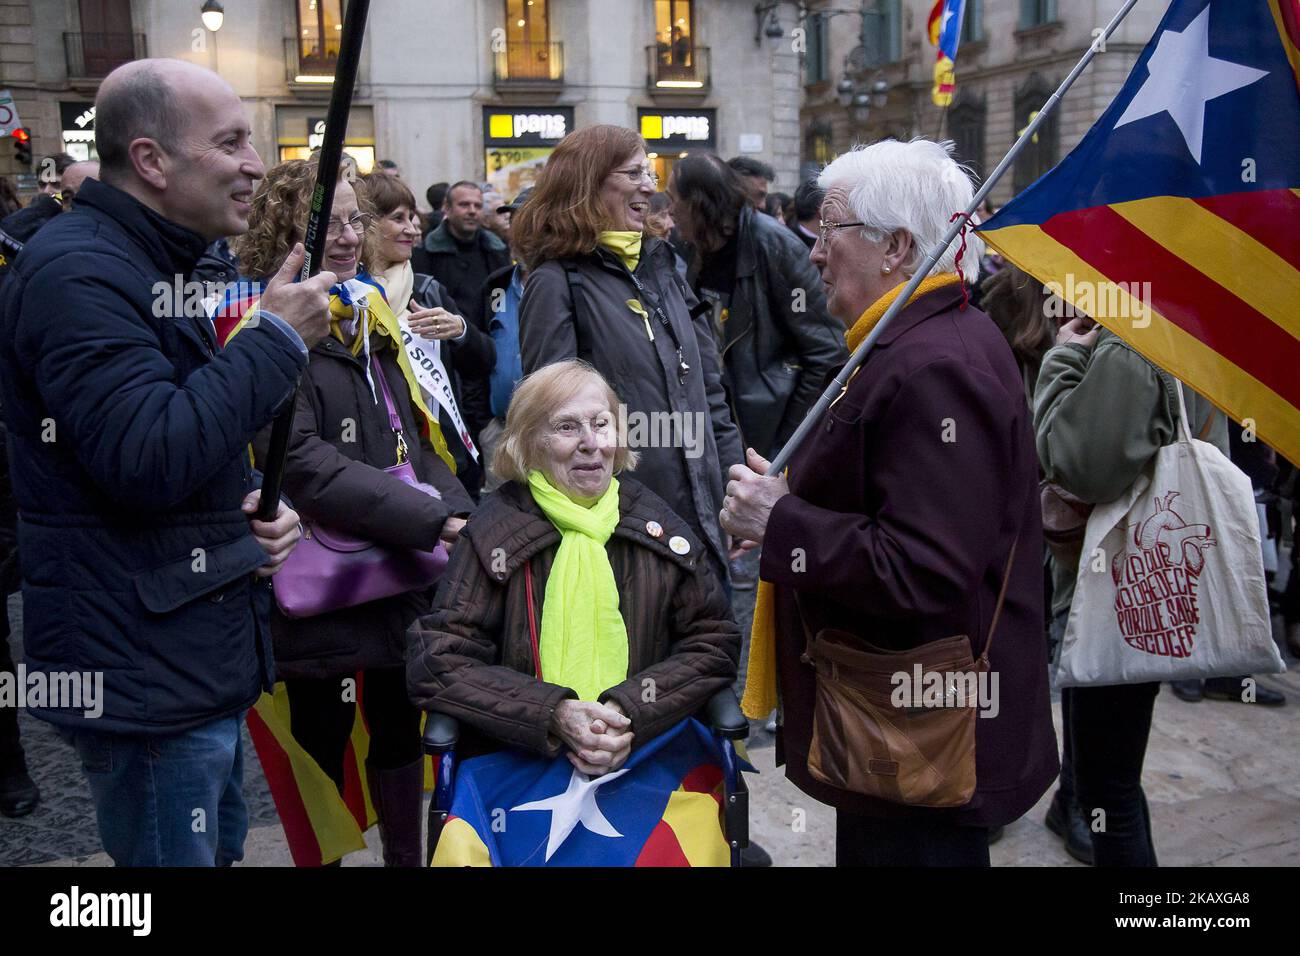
859, 356
322, 200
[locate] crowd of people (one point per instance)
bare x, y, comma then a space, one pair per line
464, 384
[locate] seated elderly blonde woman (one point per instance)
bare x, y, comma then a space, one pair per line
579, 614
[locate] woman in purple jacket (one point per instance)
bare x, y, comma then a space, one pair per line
897, 520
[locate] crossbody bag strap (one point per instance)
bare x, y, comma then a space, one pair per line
532, 619
582, 334
394, 419
1002, 596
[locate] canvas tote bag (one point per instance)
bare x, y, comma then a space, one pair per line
1171, 581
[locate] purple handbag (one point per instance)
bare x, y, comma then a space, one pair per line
330, 570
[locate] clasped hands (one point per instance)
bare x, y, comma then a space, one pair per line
599, 736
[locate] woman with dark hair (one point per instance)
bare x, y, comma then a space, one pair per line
423, 305
777, 340
602, 287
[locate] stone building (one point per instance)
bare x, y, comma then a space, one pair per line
1013, 55
449, 89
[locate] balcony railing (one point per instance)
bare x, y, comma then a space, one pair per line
92, 56
524, 65
683, 68
307, 68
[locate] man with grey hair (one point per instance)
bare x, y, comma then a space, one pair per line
906, 512
142, 563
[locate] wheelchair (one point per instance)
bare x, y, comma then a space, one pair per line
721, 714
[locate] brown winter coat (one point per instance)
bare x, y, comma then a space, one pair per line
472, 656
338, 450
904, 504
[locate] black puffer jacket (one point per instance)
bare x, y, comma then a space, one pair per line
604, 331
778, 343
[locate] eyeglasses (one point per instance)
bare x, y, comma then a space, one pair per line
571, 428
641, 174
824, 227
359, 223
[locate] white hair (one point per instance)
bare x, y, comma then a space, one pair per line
915, 187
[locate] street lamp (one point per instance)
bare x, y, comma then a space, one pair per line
767, 23
844, 91
212, 14
861, 107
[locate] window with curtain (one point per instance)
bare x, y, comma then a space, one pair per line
528, 30
966, 129
972, 27
674, 35
320, 32
816, 68
1041, 153
1035, 13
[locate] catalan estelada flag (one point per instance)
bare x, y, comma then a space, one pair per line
935, 21
321, 824
1175, 223
663, 808
948, 30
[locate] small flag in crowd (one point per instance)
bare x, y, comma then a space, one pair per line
1175, 223
663, 808
947, 27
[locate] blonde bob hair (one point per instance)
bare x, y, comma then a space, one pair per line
522, 446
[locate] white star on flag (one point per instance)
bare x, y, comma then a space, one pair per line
1183, 77
576, 805
943, 20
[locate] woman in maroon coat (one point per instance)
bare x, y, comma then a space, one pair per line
902, 507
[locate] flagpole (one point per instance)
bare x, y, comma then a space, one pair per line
859, 356
322, 201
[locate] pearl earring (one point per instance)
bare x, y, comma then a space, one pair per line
885, 269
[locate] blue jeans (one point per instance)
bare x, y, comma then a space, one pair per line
168, 799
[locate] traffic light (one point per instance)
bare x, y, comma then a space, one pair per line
23, 147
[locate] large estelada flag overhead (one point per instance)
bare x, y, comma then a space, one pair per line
1175, 223
663, 808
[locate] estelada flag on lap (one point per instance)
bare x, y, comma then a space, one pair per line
1175, 223
663, 808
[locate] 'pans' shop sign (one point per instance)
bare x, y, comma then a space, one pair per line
517, 142
78, 122
678, 130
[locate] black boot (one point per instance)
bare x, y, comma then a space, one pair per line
1066, 820
397, 797
18, 792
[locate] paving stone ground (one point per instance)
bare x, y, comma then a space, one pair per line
1222, 779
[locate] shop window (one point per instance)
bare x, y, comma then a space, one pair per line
320, 33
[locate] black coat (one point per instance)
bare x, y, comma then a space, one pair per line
340, 445
603, 330
128, 437
778, 341
440, 257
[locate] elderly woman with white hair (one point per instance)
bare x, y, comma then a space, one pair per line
900, 617
583, 616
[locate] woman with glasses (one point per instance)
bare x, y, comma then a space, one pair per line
427, 308
603, 287
576, 590
344, 437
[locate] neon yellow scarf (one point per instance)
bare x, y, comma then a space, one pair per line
583, 641
760, 675
625, 245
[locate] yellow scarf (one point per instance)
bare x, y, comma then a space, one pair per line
583, 641
760, 676
625, 245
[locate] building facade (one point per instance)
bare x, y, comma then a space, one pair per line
1013, 55
449, 89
